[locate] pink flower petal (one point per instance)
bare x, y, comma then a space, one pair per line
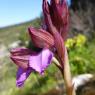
41, 61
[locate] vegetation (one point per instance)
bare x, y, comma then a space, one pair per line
16, 32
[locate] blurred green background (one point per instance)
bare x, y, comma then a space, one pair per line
81, 50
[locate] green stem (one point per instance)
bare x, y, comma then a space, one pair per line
67, 76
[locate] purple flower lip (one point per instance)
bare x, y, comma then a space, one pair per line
22, 76
41, 61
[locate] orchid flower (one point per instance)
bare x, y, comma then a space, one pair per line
29, 61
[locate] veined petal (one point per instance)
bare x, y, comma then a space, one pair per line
41, 38
60, 48
20, 56
41, 61
56, 19
61, 11
46, 11
20, 51
22, 76
47, 17
20, 61
59, 15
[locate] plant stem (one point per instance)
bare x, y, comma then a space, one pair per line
67, 76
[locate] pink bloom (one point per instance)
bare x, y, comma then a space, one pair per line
28, 62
